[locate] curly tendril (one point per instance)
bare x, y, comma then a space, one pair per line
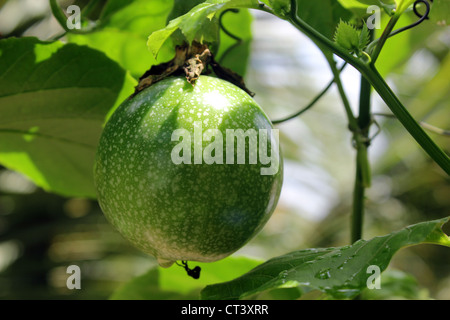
228, 33
426, 3
423, 17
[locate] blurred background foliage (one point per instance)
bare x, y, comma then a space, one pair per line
42, 233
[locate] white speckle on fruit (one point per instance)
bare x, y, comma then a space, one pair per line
215, 100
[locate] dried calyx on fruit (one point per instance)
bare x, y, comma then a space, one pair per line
190, 61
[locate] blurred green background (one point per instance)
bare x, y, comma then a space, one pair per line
42, 233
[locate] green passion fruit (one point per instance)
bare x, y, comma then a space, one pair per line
188, 173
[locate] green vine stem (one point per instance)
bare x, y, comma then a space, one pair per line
411, 125
382, 40
359, 191
59, 15
424, 17
363, 173
360, 129
378, 83
352, 122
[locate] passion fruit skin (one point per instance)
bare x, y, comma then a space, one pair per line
193, 212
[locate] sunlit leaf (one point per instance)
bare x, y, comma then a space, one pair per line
341, 272
113, 6
323, 16
360, 7
397, 49
347, 36
174, 283
53, 102
440, 12
395, 284
402, 5
124, 34
280, 7
196, 24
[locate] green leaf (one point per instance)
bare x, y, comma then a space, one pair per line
359, 7
440, 12
181, 7
158, 38
351, 39
123, 35
347, 36
340, 272
174, 283
53, 103
280, 7
112, 6
402, 5
197, 24
363, 3
396, 49
364, 37
146, 287
323, 16
395, 285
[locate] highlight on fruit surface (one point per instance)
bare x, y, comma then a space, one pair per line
189, 173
